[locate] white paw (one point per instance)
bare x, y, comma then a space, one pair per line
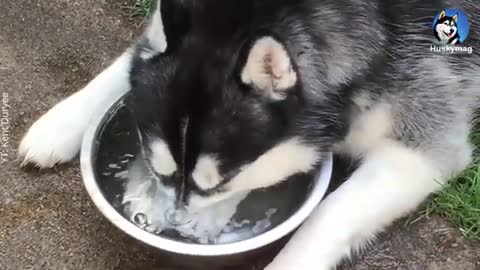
56, 137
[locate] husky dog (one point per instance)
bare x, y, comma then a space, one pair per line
446, 29
238, 95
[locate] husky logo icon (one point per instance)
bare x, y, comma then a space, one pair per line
450, 27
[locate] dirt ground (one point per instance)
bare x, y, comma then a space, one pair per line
48, 50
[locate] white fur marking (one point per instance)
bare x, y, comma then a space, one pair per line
206, 174
155, 34
284, 160
392, 181
276, 165
367, 130
162, 159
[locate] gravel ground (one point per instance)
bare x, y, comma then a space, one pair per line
48, 50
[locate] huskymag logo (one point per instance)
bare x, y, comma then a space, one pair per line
451, 29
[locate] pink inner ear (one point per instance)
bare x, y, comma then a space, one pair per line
280, 62
269, 69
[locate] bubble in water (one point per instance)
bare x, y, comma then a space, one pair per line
177, 217
270, 212
122, 174
113, 166
237, 231
150, 229
140, 219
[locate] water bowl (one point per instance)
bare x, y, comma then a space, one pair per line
111, 148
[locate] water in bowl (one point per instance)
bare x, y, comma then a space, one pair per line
129, 186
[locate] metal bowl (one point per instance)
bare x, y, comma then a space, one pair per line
103, 193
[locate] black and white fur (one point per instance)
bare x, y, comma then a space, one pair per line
242, 94
446, 29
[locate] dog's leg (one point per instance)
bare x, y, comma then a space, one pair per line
392, 181
56, 137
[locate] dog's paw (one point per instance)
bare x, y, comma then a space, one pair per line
54, 138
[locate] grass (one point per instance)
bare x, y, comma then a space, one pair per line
460, 200
138, 8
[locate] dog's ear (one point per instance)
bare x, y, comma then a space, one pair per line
442, 15
268, 69
455, 17
169, 24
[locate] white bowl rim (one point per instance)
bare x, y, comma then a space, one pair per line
317, 193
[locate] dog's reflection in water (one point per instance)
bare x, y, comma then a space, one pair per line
151, 205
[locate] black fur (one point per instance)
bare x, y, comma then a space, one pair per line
198, 77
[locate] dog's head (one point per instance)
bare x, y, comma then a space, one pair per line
446, 27
216, 125
219, 109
